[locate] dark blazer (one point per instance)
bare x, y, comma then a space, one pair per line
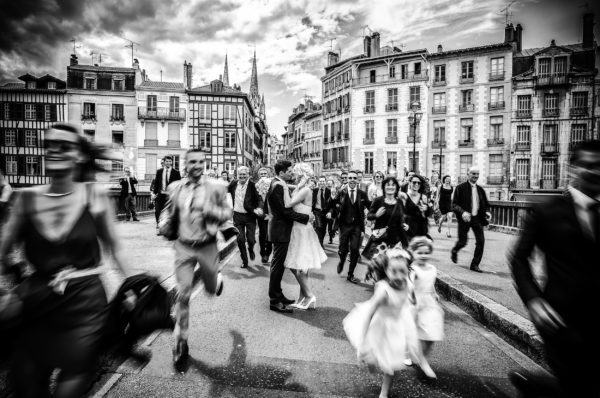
125, 188
381, 222
324, 203
175, 176
282, 218
462, 199
252, 200
343, 201
571, 258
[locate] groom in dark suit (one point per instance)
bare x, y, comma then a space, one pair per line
280, 228
320, 198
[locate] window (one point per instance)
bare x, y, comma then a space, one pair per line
151, 131
47, 113
466, 130
32, 165
466, 162
579, 100
230, 139
31, 138
440, 73
497, 95
417, 68
30, 85
578, 133
151, 103
29, 111
370, 99
415, 95
496, 127
392, 160
372, 76
466, 70
117, 112
495, 165
173, 133
370, 129
392, 125
6, 111
117, 139
523, 134
550, 134
435, 163
116, 167
393, 97
439, 131
466, 97
229, 113
89, 83
204, 112
118, 85
89, 110
551, 101
524, 103
151, 164
174, 104
346, 128
51, 85
326, 132
522, 172
497, 66
11, 164
90, 135
10, 138
404, 71
368, 162
439, 102
549, 172
543, 66
392, 71
560, 65
413, 161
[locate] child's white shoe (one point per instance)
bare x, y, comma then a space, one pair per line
408, 362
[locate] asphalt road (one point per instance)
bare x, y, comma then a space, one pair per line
240, 348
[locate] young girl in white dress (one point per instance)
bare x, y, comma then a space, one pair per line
429, 313
304, 251
383, 329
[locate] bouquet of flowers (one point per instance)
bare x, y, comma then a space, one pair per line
262, 186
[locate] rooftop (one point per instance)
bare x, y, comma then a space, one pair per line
96, 68
161, 85
486, 48
528, 52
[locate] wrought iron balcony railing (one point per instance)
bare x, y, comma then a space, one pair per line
391, 139
161, 113
466, 108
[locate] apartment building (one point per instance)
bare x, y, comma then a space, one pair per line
304, 125
27, 109
554, 104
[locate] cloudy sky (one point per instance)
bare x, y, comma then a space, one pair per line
291, 37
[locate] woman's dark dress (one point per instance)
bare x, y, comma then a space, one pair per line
65, 330
394, 215
445, 201
418, 225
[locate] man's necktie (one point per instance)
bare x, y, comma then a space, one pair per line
352, 197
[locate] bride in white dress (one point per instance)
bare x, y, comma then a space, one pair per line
304, 251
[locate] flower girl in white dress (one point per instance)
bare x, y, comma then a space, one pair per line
304, 251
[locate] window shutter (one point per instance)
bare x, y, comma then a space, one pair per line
21, 165
39, 111
1, 110
53, 112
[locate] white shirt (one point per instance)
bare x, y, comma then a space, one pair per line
240, 195
582, 210
166, 174
319, 194
474, 199
353, 195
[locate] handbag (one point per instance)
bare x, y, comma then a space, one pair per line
377, 236
168, 221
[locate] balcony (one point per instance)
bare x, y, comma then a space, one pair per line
161, 114
417, 106
523, 113
466, 80
551, 80
574, 143
391, 107
413, 139
117, 119
325, 140
174, 143
495, 141
549, 183
368, 141
578, 111
495, 105
391, 139
522, 183
466, 143
523, 146
438, 144
339, 111
552, 112
229, 149
439, 83
496, 76
88, 117
466, 108
549, 148
346, 137
369, 109
150, 142
495, 180
204, 148
438, 109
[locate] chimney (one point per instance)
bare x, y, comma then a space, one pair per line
375, 44
588, 30
440, 48
519, 37
187, 75
367, 46
509, 33
332, 58
73, 60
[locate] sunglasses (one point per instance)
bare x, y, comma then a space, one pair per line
353, 178
378, 177
416, 182
63, 146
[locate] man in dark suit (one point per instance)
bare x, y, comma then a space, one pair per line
280, 228
330, 221
266, 247
351, 203
471, 207
128, 194
320, 200
567, 230
247, 205
164, 176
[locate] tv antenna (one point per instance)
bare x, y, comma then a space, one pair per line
331, 40
366, 27
307, 97
400, 46
131, 45
75, 45
98, 56
507, 13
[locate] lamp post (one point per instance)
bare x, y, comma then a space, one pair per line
413, 119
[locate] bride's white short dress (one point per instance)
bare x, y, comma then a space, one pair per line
305, 251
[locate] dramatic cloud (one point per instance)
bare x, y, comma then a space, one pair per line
291, 37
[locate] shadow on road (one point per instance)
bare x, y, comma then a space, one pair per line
329, 319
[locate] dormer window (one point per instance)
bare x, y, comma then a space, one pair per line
31, 84
89, 81
544, 66
560, 65
118, 82
51, 85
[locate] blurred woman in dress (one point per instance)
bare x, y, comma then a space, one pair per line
376, 188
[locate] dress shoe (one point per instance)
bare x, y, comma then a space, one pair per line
180, 354
251, 254
476, 268
280, 307
220, 284
136, 219
305, 304
340, 267
454, 256
286, 301
352, 279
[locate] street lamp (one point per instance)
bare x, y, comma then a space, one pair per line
413, 119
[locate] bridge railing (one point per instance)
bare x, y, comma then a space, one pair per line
142, 203
509, 216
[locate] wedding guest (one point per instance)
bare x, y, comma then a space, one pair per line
128, 194
320, 198
5, 195
163, 178
331, 230
225, 176
388, 212
444, 201
262, 187
376, 188
416, 208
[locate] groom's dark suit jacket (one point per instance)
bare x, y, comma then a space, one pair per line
282, 218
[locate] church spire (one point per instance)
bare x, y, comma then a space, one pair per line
262, 108
226, 73
254, 79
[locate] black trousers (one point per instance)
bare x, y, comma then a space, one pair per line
463, 230
246, 224
159, 203
266, 247
129, 206
350, 242
320, 225
330, 229
280, 250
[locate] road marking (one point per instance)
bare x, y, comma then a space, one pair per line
108, 385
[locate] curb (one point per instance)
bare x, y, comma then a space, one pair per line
510, 326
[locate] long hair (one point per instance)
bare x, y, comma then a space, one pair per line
381, 262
